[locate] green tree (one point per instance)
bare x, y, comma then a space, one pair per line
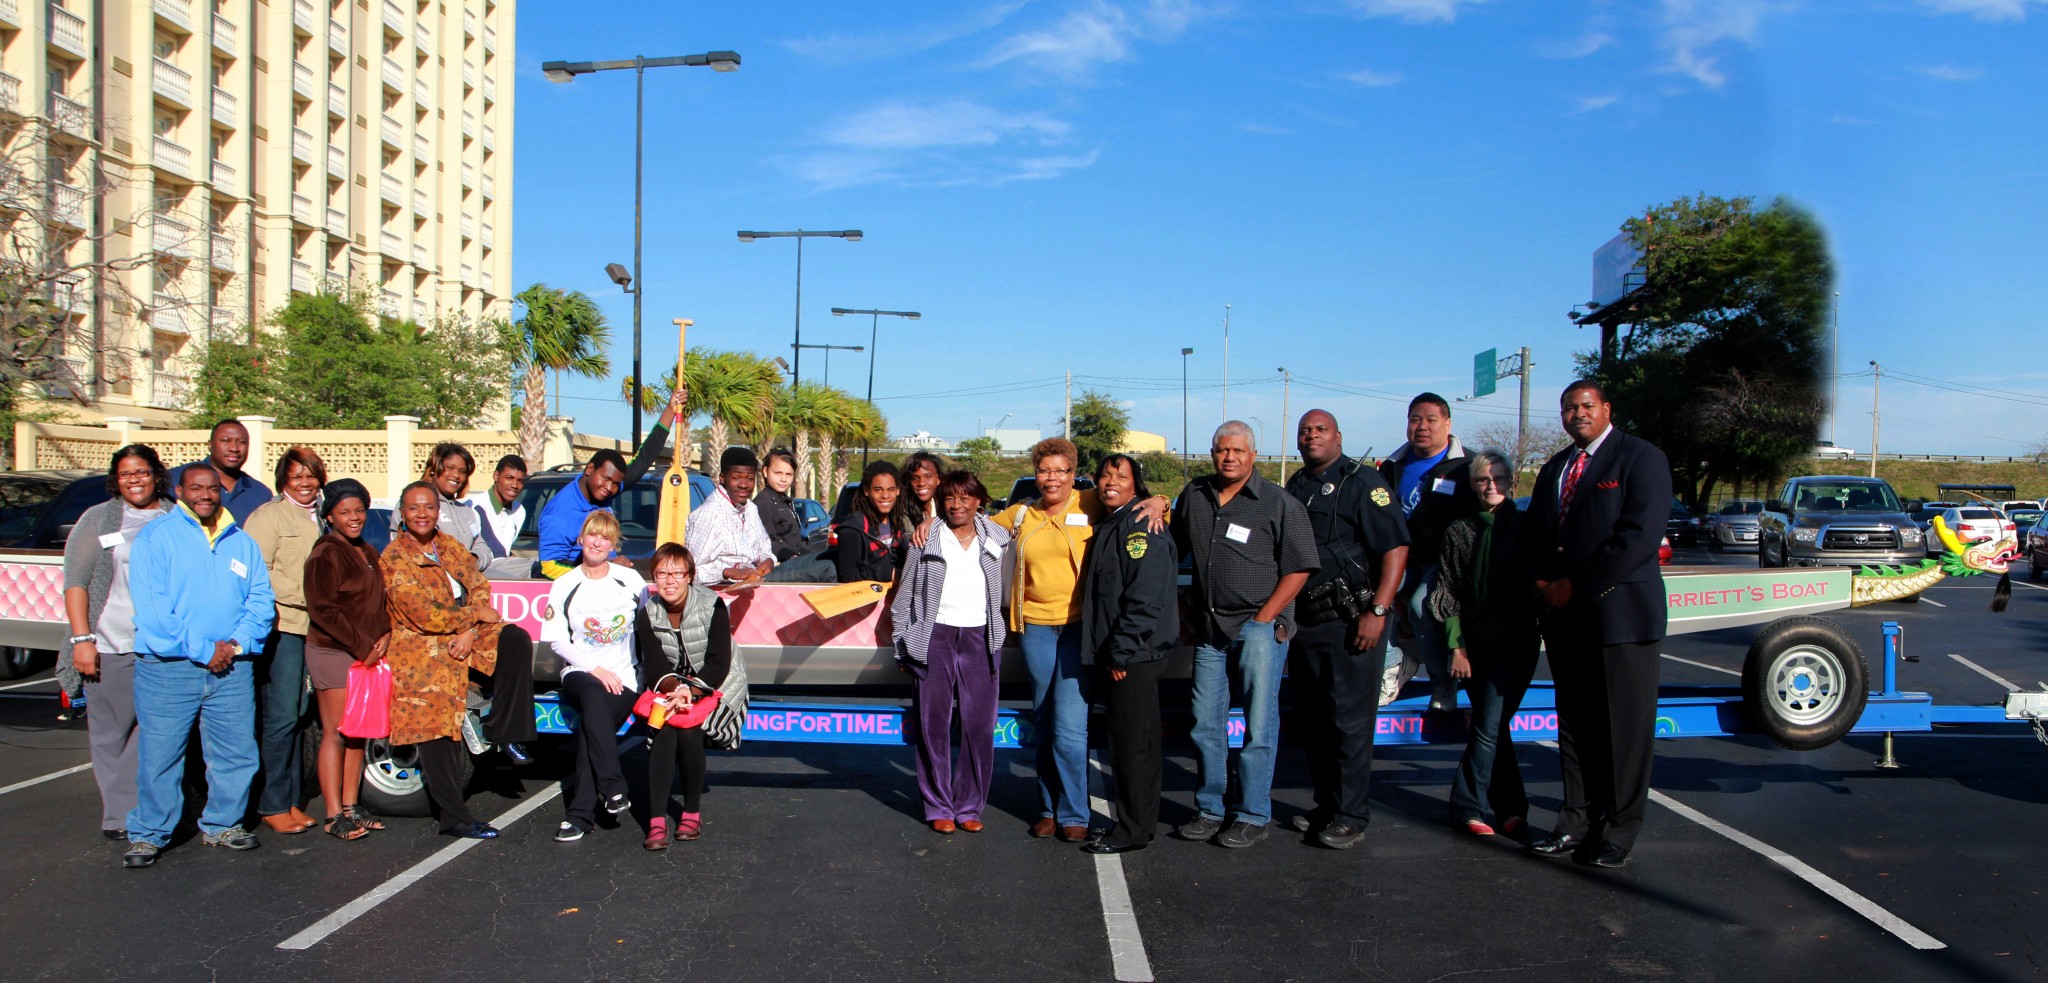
863, 424
735, 390
231, 381
563, 331
806, 411
1097, 428
979, 455
1721, 366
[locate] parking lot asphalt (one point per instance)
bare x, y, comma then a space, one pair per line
1757, 864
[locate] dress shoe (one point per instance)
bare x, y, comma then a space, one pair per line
114, 834
1557, 845
1340, 835
1104, 846
1073, 834
517, 752
1609, 855
943, 826
475, 831
1513, 826
1044, 827
970, 825
1477, 827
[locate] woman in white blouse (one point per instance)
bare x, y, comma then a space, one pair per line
589, 622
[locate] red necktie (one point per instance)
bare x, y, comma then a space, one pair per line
1571, 484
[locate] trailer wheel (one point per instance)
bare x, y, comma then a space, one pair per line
393, 784
1804, 683
16, 662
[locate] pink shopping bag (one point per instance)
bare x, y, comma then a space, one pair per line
368, 713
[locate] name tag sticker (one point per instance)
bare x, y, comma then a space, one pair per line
240, 570
993, 549
1077, 518
1443, 486
111, 540
1237, 533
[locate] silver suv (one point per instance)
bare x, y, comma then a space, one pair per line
1837, 520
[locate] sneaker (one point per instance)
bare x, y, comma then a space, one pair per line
1393, 678
1340, 836
233, 837
518, 753
568, 832
1198, 829
473, 734
139, 855
1242, 834
616, 804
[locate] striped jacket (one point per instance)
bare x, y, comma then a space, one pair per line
915, 610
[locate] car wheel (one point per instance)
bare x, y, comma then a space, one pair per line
393, 784
2034, 571
16, 662
1804, 683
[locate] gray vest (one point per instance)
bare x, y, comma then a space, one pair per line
694, 634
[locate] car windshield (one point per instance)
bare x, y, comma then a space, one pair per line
1969, 515
1742, 508
22, 500
1846, 496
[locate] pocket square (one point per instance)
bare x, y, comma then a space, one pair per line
1608, 484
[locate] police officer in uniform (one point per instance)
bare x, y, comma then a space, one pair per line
1362, 540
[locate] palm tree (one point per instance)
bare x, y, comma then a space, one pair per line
806, 411
865, 425
735, 389
563, 331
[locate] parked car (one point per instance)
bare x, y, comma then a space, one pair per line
1837, 520
2020, 503
2036, 546
1827, 449
1924, 518
2025, 518
1682, 527
1732, 526
1976, 523
638, 507
811, 520
38, 508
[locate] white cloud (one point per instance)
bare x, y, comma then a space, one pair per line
1370, 78
1692, 29
1587, 104
866, 47
1985, 10
1578, 47
1414, 11
947, 124
1952, 73
1100, 33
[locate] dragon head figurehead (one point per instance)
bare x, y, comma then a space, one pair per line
1977, 557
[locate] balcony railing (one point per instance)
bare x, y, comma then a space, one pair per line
337, 162
225, 180
490, 283
172, 157
337, 100
490, 187
422, 39
302, 209
221, 255
394, 74
468, 227
302, 146
224, 106
393, 190
419, 148
489, 237
490, 40
167, 391
468, 274
225, 319
10, 92
225, 36
419, 255
337, 37
302, 15
468, 75
420, 205
394, 132
337, 222
468, 175
469, 23
302, 277
67, 205
490, 139
67, 30
10, 14
388, 303
490, 90
391, 245
70, 117
421, 93
172, 83
178, 12
302, 80
394, 17
170, 236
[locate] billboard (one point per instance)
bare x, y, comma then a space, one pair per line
1617, 269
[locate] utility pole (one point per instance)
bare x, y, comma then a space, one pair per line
1835, 370
1522, 427
1068, 426
1286, 382
1876, 386
1226, 361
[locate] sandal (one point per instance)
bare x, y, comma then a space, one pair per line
362, 816
345, 827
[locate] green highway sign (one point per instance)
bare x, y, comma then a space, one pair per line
1483, 375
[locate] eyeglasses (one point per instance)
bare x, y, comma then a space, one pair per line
671, 575
128, 475
1489, 480
1054, 472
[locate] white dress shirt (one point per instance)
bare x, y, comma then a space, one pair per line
723, 535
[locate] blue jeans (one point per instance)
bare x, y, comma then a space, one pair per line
1427, 648
169, 695
282, 690
1059, 720
1251, 665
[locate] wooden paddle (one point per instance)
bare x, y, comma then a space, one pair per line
674, 518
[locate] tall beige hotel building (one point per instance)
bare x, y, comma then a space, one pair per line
223, 155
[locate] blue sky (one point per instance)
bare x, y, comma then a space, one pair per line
1378, 188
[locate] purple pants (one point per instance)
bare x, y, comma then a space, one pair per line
956, 674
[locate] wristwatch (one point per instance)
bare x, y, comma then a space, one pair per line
1380, 610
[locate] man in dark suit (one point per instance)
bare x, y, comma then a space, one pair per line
1596, 518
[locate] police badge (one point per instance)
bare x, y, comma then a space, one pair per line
1135, 545
1381, 498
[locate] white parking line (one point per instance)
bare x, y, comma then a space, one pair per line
1702, 665
32, 682
1986, 673
1928, 600
1119, 919
1805, 872
412, 875
18, 786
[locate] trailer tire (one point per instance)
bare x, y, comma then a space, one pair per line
16, 661
1804, 683
393, 784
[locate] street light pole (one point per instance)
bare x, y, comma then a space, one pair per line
1286, 383
1184, 353
796, 374
874, 327
565, 71
828, 350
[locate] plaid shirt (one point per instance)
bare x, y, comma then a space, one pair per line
723, 535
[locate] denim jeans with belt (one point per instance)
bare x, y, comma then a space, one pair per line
1250, 665
1059, 720
169, 695
282, 693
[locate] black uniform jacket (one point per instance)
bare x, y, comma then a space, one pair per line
1129, 613
1608, 543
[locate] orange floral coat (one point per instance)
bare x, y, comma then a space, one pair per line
428, 684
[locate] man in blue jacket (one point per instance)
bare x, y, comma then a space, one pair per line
203, 604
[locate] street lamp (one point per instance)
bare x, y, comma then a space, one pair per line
829, 349
1184, 353
850, 235
566, 71
874, 324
